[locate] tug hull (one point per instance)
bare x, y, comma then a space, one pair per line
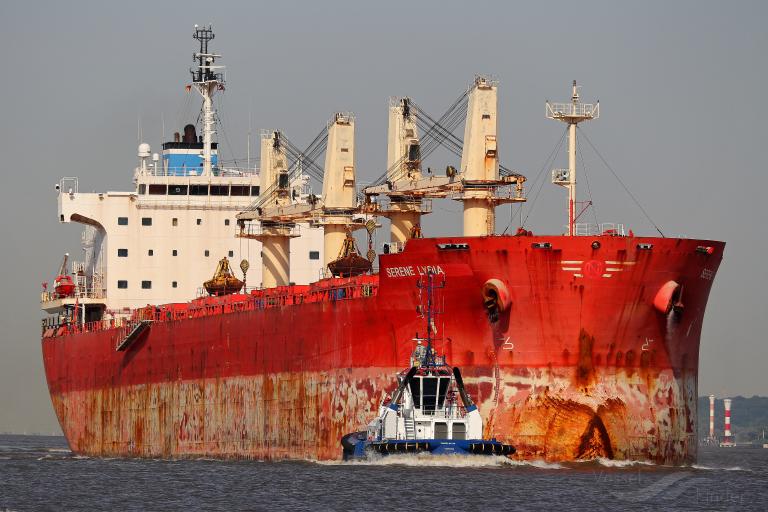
579, 360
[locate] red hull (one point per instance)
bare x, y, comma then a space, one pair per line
581, 364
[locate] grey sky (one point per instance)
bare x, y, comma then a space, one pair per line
682, 87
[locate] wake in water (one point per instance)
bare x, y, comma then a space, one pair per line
710, 468
453, 461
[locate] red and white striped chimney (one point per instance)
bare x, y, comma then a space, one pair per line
727, 437
711, 417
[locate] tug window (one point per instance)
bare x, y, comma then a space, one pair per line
122, 221
146, 221
226, 222
442, 390
207, 253
122, 285
314, 255
151, 252
122, 253
174, 221
175, 252
416, 391
199, 222
231, 254
429, 393
174, 284
146, 285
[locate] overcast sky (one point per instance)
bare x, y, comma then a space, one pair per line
682, 85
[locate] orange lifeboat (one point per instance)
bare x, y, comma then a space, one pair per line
63, 285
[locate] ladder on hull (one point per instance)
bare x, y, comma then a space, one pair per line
133, 335
410, 428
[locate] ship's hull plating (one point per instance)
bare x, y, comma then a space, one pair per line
580, 364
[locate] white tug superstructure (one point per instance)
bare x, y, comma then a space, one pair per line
430, 411
160, 241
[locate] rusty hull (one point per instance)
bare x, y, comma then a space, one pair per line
580, 365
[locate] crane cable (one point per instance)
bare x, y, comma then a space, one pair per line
621, 182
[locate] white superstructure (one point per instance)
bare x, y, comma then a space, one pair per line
160, 241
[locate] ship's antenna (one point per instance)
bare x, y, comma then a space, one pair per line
249, 135
207, 81
572, 114
428, 282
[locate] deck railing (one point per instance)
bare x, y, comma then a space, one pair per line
213, 306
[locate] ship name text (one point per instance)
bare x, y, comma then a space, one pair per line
414, 270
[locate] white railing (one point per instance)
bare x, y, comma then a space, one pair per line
563, 110
257, 229
194, 172
79, 293
68, 185
194, 202
603, 229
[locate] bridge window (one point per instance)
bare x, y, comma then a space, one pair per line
122, 284
239, 190
177, 190
198, 190
314, 255
146, 285
255, 190
142, 189
158, 190
219, 190
146, 221
122, 221
122, 253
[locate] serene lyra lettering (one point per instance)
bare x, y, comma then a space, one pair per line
414, 270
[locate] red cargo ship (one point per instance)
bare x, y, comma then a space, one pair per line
574, 347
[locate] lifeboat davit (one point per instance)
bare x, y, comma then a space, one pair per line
63, 286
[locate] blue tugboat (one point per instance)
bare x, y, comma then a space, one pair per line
424, 414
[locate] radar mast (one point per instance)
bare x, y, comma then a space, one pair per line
572, 114
206, 80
